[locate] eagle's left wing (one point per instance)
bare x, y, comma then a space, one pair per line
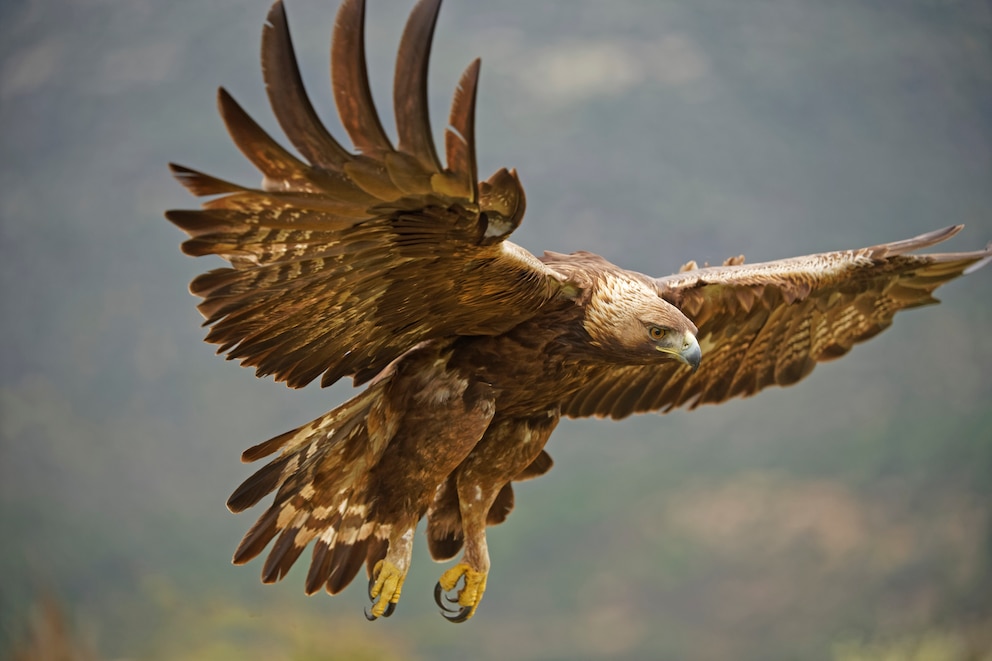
341, 263
769, 324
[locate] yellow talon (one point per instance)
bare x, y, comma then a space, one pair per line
387, 586
469, 596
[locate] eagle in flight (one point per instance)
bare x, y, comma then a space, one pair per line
386, 265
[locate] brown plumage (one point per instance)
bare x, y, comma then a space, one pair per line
388, 266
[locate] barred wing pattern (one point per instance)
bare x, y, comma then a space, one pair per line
341, 263
770, 324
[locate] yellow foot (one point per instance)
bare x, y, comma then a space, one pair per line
473, 587
386, 584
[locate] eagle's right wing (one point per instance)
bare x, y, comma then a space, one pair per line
341, 264
769, 324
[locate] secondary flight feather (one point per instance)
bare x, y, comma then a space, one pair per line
383, 264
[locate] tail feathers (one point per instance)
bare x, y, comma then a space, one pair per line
337, 559
340, 549
320, 489
335, 566
262, 483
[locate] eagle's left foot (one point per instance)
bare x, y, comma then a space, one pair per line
386, 584
473, 587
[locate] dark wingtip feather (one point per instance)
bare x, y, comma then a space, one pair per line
459, 139
410, 85
349, 78
288, 96
917, 242
258, 146
200, 184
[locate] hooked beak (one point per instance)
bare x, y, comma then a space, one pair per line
690, 354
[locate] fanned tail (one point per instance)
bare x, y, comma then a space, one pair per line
321, 493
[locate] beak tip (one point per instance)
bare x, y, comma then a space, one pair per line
692, 355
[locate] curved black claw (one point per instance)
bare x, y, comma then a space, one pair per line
369, 616
378, 599
390, 607
438, 595
463, 614
455, 615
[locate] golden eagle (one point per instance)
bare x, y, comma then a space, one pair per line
395, 269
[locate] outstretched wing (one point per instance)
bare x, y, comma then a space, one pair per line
769, 324
341, 263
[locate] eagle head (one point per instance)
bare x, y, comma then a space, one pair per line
627, 318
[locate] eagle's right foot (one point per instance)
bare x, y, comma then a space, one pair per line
469, 596
384, 589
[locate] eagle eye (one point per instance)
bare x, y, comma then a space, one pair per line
656, 332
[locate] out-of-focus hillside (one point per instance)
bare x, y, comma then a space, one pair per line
848, 517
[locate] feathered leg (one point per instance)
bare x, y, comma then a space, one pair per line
444, 414
508, 448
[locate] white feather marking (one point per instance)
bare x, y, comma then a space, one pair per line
357, 510
329, 535
286, 515
439, 394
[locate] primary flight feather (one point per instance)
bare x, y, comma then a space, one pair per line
386, 265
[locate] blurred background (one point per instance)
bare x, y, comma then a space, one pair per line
849, 517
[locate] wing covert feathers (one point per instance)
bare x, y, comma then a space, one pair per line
343, 261
770, 324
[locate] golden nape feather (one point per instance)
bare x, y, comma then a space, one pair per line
383, 264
